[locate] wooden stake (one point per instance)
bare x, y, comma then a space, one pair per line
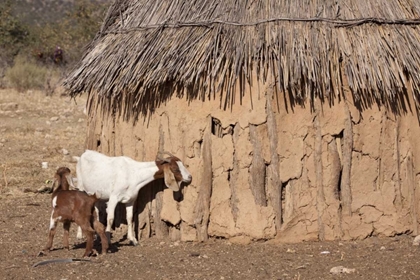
275, 193
202, 207
347, 148
320, 198
398, 195
411, 179
257, 168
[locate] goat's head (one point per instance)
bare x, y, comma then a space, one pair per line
174, 172
62, 179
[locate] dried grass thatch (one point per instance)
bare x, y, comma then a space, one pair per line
147, 51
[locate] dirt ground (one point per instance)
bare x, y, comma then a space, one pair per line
35, 128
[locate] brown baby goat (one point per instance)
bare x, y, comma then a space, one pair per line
74, 206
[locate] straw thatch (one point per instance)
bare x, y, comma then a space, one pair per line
147, 51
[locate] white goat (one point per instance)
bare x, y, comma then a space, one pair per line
119, 179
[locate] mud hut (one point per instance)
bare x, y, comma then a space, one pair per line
299, 120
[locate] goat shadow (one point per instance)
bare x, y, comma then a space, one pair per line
145, 223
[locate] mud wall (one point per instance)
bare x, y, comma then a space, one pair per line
266, 170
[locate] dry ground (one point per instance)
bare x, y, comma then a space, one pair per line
35, 128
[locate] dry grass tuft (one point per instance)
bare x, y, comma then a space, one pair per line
27, 74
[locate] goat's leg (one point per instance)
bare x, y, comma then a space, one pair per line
51, 233
89, 242
50, 240
96, 214
66, 228
110, 211
130, 229
79, 233
79, 229
85, 224
100, 230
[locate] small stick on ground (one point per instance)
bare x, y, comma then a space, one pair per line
60, 261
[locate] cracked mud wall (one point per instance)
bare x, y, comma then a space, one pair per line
264, 170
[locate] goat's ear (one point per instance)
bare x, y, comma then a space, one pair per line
70, 181
170, 181
55, 185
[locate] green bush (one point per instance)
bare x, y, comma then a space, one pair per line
13, 32
27, 74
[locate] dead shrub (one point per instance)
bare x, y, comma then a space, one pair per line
27, 74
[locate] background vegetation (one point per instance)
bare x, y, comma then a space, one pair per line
32, 30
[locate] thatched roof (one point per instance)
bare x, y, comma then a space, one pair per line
146, 51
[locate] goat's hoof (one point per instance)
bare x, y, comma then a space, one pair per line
102, 254
134, 243
92, 253
41, 253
